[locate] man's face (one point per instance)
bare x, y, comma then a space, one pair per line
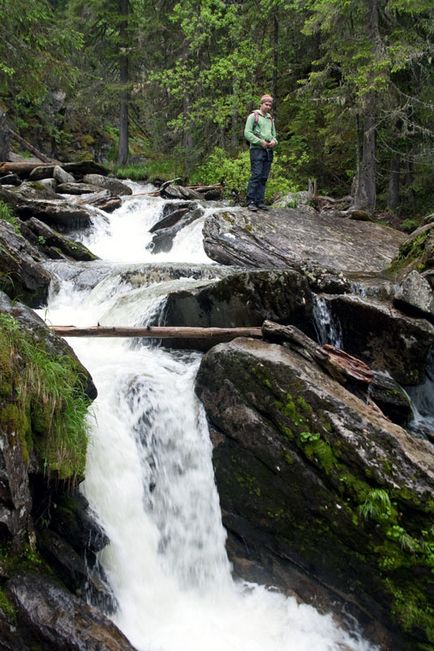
266, 105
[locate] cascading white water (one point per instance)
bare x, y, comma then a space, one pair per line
328, 330
149, 476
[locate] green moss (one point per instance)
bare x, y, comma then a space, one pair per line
7, 606
42, 401
412, 609
248, 482
413, 253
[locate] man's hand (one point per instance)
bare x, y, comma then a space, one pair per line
264, 144
272, 143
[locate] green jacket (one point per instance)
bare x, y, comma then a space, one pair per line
263, 130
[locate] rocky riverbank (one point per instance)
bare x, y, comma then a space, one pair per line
324, 478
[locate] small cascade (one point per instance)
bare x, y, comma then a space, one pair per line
149, 476
422, 401
328, 329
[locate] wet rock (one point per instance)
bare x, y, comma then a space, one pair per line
415, 294
171, 191
171, 206
22, 275
62, 176
417, 252
313, 480
49, 184
242, 299
171, 218
163, 238
54, 212
10, 179
384, 337
287, 237
76, 188
78, 170
117, 188
390, 398
59, 620
74, 570
53, 244
70, 517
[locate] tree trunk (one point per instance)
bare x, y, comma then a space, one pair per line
365, 195
4, 138
394, 182
124, 79
275, 60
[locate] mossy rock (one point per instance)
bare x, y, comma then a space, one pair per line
312, 474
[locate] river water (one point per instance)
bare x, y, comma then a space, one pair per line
149, 476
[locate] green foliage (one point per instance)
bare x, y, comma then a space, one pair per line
43, 400
377, 506
7, 215
234, 173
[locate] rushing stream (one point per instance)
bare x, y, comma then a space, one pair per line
149, 476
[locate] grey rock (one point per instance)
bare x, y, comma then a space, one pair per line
49, 184
117, 188
77, 188
52, 244
60, 620
27, 203
163, 238
287, 237
62, 176
384, 337
415, 293
78, 170
241, 299
296, 458
22, 275
10, 179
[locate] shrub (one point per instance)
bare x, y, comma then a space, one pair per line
234, 173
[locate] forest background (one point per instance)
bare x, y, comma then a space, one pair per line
162, 88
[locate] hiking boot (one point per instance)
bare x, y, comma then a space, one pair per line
252, 206
263, 206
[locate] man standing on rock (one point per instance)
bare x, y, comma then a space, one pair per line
260, 132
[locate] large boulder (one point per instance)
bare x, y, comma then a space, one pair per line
384, 337
415, 294
54, 212
162, 239
53, 244
50, 618
78, 170
117, 188
241, 299
315, 482
22, 275
416, 252
288, 237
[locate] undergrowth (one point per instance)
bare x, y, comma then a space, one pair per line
7, 215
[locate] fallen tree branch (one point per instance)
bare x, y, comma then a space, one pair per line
157, 332
30, 147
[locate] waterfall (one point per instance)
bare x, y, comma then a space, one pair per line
149, 476
327, 328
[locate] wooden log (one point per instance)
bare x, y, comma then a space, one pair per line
157, 332
21, 167
337, 363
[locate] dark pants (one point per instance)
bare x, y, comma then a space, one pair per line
260, 165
